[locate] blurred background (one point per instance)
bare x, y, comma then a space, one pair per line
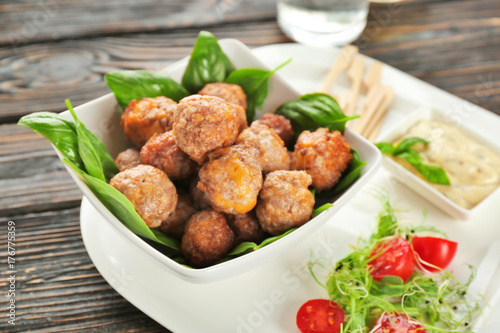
51, 50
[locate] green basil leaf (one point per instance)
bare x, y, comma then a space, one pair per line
255, 84
273, 239
386, 148
122, 208
433, 174
136, 84
312, 111
58, 130
408, 143
411, 157
86, 149
358, 322
208, 63
241, 248
321, 209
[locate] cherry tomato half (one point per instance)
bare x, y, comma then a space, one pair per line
392, 257
435, 251
392, 322
320, 316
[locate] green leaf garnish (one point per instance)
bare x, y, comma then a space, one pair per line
122, 208
58, 130
312, 111
403, 150
255, 84
208, 63
439, 302
136, 84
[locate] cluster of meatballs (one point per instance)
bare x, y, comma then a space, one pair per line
201, 174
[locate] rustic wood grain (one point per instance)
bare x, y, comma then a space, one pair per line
453, 44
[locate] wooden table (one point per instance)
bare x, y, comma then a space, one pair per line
56, 49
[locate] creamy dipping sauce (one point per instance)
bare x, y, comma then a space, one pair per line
473, 168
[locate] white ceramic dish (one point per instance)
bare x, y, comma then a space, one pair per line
101, 116
418, 185
267, 298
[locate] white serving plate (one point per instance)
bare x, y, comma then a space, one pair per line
104, 110
267, 298
417, 184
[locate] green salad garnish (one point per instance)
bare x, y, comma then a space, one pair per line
403, 150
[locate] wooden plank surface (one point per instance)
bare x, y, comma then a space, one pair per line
454, 45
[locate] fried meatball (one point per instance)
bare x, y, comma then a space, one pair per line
128, 159
198, 195
231, 93
246, 227
284, 201
324, 155
281, 125
232, 179
163, 152
204, 123
273, 154
207, 238
151, 192
175, 223
146, 117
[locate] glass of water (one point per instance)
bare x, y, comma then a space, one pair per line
323, 22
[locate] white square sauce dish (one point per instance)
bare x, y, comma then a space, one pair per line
470, 160
102, 117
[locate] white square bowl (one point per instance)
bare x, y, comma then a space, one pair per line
420, 186
102, 117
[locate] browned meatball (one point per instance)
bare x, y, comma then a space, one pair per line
151, 192
231, 93
232, 179
281, 125
272, 151
162, 152
204, 123
128, 159
246, 227
175, 223
198, 195
323, 155
284, 201
146, 117
207, 238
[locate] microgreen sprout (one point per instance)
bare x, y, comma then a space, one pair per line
439, 302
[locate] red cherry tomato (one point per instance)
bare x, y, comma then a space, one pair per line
320, 316
392, 257
435, 251
391, 322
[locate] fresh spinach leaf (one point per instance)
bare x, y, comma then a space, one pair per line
403, 150
122, 208
312, 111
86, 149
434, 174
246, 246
208, 63
136, 84
386, 148
321, 209
109, 167
407, 143
58, 130
255, 84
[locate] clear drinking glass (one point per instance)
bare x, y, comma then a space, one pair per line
323, 22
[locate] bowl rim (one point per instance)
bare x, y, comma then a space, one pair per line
430, 112
215, 272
